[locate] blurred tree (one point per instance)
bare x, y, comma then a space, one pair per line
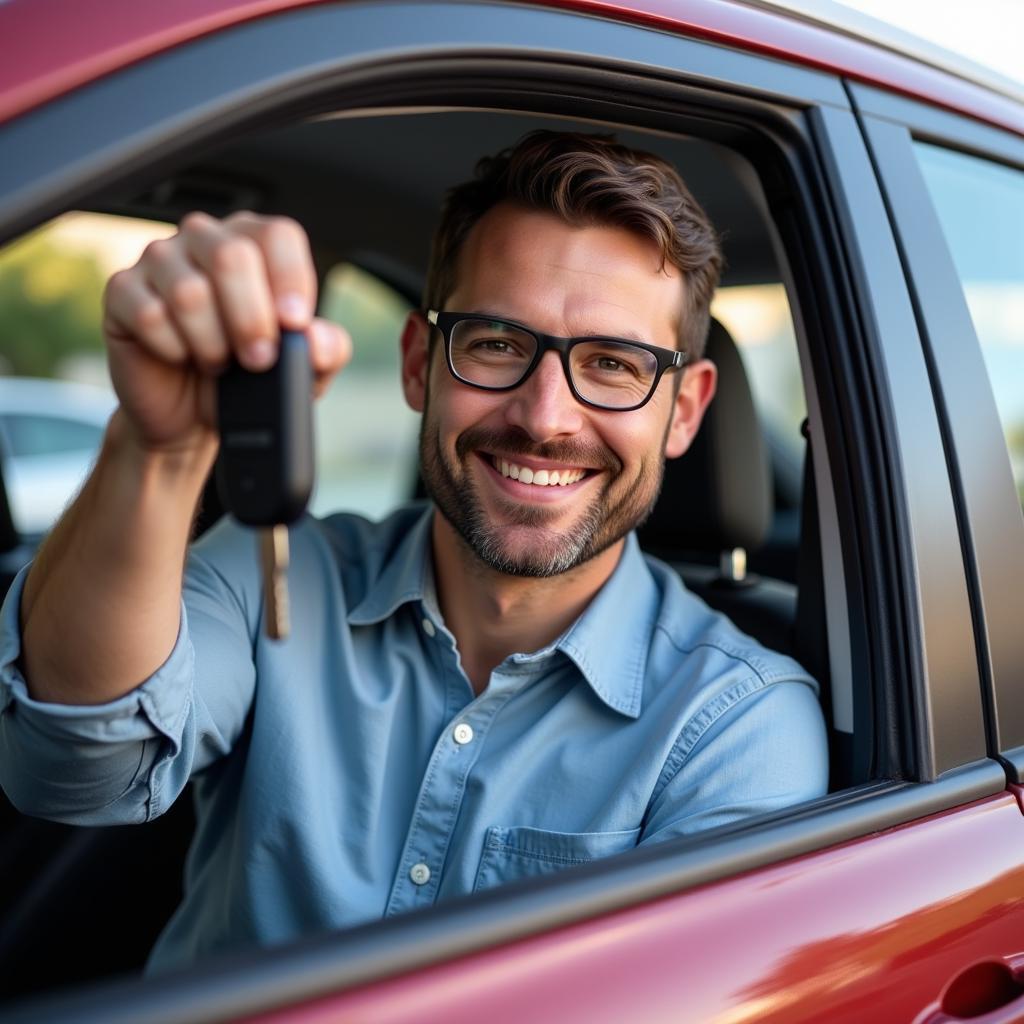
1015, 442
371, 311
50, 305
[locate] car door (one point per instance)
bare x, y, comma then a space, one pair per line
873, 899
956, 190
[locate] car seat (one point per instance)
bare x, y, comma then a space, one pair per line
715, 512
716, 508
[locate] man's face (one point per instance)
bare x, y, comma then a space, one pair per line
533, 268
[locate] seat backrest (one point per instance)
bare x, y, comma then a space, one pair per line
718, 498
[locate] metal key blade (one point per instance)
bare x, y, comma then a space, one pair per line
274, 563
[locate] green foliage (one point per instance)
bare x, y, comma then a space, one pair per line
372, 312
50, 305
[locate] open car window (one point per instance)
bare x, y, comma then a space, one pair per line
980, 204
56, 396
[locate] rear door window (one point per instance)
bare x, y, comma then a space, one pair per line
980, 205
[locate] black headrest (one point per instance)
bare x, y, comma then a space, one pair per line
718, 496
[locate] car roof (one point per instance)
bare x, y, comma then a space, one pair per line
53, 55
838, 17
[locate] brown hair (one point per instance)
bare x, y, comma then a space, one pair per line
589, 179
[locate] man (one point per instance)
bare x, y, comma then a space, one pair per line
491, 687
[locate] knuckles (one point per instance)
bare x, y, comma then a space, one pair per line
237, 254
184, 276
148, 316
191, 293
195, 222
160, 252
280, 233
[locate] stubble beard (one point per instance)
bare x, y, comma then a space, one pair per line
543, 549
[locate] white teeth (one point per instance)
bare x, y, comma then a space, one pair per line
539, 477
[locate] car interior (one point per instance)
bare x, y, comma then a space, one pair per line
739, 516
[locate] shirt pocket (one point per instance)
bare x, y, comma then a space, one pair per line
523, 852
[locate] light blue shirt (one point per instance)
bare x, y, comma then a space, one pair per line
349, 773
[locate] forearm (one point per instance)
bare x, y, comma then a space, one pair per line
101, 607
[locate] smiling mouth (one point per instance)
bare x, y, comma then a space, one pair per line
561, 477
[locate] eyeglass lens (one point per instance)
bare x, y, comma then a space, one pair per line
494, 354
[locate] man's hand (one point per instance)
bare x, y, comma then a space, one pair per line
213, 291
101, 606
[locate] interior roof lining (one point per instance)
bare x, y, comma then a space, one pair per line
402, 159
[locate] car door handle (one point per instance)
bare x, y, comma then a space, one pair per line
989, 992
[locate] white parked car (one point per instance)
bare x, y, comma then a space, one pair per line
50, 432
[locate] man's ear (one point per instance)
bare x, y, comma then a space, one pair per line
415, 359
695, 393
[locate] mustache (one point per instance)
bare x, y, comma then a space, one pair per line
570, 451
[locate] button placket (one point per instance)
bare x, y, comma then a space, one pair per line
437, 807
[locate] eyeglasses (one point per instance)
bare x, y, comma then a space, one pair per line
498, 355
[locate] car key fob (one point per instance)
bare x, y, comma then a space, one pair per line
265, 469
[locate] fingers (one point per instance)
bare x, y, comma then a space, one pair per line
288, 262
237, 266
330, 349
134, 311
219, 289
190, 302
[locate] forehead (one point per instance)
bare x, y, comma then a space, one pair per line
567, 279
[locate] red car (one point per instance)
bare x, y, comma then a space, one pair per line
872, 206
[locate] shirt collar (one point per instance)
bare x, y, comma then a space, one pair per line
608, 643
402, 576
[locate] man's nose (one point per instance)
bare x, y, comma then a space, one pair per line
544, 405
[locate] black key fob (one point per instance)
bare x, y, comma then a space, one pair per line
265, 467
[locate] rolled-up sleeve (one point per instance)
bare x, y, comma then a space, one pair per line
126, 761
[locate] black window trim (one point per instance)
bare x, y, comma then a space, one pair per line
991, 525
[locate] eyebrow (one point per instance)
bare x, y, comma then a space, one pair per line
629, 335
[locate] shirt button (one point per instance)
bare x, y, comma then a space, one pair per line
463, 733
420, 874
428, 627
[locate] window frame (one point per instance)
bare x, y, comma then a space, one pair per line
94, 139
988, 506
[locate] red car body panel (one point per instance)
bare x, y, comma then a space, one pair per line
890, 921
56, 55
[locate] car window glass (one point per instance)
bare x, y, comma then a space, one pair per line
980, 205
365, 433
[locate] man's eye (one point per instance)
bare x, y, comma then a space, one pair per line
612, 367
497, 346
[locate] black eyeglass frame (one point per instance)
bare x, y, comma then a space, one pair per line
667, 358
